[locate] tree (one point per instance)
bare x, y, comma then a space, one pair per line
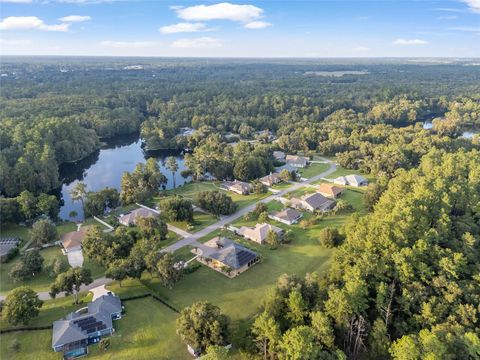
296, 308
286, 175
96, 203
176, 208
21, 305
215, 202
142, 183
299, 343
28, 204
78, 193
71, 281
267, 334
48, 205
216, 352
330, 237
202, 324
172, 165
169, 275
153, 228
117, 271
29, 265
43, 231
263, 217
56, 267
104, 344
272, 239
260, 208
323, 330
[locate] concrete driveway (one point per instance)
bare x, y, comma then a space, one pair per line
75, 258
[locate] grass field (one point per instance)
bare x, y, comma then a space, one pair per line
200, 221
191, 189
42, 281
313, 169
22, 232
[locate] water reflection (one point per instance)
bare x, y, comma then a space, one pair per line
106, 166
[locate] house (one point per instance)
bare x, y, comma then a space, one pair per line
72, 241
271, 179
186, 131
351, 180
260, 232
297, 161
329, 190
238, 187
286, 216
279, 155
287, 167
226, 256
312, 202
131, 218
86, 326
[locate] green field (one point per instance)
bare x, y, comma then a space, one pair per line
200, 221
191, 189
42, 281
313, 169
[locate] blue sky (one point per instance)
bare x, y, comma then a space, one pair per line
314, 28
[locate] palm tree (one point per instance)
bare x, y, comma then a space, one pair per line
172, 165
78, 193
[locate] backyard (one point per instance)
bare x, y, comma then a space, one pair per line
313, 170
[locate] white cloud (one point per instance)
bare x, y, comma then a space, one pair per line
197, 43
184, 28
448, 17
30, 23
361, 49
474, 5
410, 42
130, 44
221, 11
75, 18
257, 25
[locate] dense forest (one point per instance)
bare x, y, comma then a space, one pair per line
55, 111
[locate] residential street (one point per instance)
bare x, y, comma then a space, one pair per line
193, 239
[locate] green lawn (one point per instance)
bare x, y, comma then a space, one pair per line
191, 189
22, 232
200, 221
42, 281
282, 186
313, 169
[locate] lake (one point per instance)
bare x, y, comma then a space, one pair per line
106, 166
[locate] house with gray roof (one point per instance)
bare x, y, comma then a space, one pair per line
260, 232
226, 256
287, 216
86, 326
351, 180
271, 179
312, 202
279, 155
239, 187
132, 217
297, 161
288, 167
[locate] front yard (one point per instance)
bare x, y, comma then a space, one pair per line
313, 170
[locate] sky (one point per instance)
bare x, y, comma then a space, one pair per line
271, 28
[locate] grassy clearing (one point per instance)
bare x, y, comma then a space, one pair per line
200, 221
191, 189
313, 169
282, 186
42, 281
23, 232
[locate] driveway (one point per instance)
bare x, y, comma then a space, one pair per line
75, 258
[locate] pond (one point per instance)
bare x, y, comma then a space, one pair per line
106, 166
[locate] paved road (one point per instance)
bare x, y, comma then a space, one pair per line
193, 239
44, 295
